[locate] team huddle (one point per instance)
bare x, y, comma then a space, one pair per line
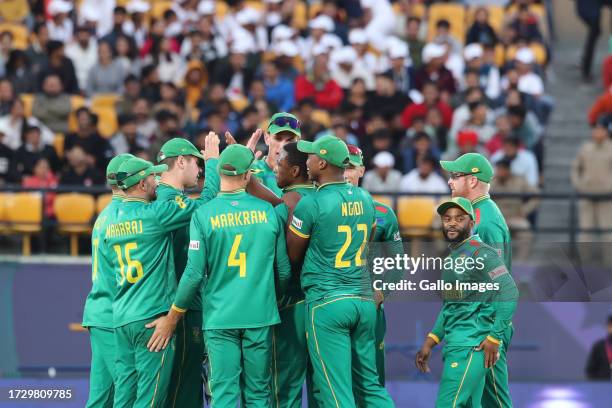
260, 284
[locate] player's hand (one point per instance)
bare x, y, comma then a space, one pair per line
491, 351
164, 329
379, 298
422, 358
251, 143
211, 146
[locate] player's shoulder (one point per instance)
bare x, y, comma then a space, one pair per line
258, 166
383, 210
482, 249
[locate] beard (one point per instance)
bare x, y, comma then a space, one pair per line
462, 235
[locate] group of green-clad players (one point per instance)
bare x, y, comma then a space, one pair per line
261, 281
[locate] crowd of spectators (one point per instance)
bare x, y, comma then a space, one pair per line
408, 89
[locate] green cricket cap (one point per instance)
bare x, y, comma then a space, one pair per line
239, 157
470, 163
113, 167
284, 121
330, 148
135, 169
459, 202
178, 147
355, 156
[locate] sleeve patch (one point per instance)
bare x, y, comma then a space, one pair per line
194, 245
381, 209
497, 272
296, 222
397, 236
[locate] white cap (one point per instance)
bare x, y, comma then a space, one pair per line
433, 50
384, 159
273, 1
282, 33
473, 51
138, 6
286, 48
331, 41
358, 36
525, 55
242, 43
368, 3
206, 8
59, 7
322, 22
89, 12
247, 16
319, 49
398, 50
344, 55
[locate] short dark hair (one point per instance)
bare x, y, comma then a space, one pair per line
414, 19
53, 46
517, 110
296, 157
505, 162
513, 140
119, 10
165, 115
31, 129
421, 135
443, 23
126, 118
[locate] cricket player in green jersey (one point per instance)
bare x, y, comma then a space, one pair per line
290, 363
283, 128
475, 316
98, 313
387, 231
326, 239
140, 238
470, 176
237, 248
181, 157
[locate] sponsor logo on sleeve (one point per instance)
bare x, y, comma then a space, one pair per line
194, 245
296, 222
397, 236
497, 272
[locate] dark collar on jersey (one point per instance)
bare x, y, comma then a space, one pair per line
481, 199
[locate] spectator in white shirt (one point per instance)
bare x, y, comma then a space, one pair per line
13, 126
321, 29
60, 26
136, 25
528, 81
378, 18
524, 162
83, 52
344, 69
358, 39
424, 178
383, 177
489, 74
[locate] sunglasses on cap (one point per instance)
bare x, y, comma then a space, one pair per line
287, 121
455, 176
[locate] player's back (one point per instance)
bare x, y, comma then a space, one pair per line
142, 260
341, 217
491, 227
240, 234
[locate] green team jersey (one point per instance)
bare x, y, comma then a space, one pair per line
491, 227
180, 237
266, 175
469, 316
99, 303
294, 292
236, 244
338, 219
140, 240
388, 233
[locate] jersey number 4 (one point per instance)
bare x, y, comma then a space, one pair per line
346, 229
237, 258
132, 264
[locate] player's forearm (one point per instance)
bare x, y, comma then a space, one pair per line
283, 266
437, 332
190, 284
257, 189
212, 183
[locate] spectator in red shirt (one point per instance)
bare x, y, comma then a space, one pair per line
602, 106
42, 177
318, 85
431, 97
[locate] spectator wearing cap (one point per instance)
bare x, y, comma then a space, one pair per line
83, 52
127, 139
489, 77
58, 64
590, 173
358, 39
523, 161
251, 26
14, 125
344, 69
95, 146
467, 142
599, 362
424, 178
60, 26
516, 210
415, 148
286, 51
276, 13
31, 151
52, 106
401, 70
431, 99
481, 31
279, 90
107, 75
528, 81
88, 18
433, 70
378, 17
383, 177
136, 26
79, 171
317, 84
321, 34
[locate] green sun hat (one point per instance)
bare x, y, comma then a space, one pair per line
239, 157
459, 202
136, 169
470, 163
113, 167
178, 147
355, 156
284, 121
330, 148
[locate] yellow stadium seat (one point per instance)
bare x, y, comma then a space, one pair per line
454, 13
28, 101
107, 121
385, 199
105, 100
239, 103
4, 222
314, 9
58, 144
20, 34
158, 8
256, 5
74, 212
24, 213
416, 215
496, 17
322, 117
416, 10
500, 55
102, 201
299, 20
220, 9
